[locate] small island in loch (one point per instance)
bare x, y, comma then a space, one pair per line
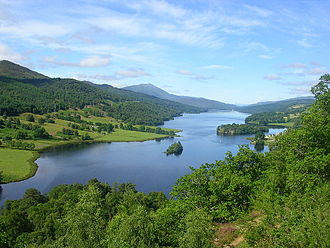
176, 148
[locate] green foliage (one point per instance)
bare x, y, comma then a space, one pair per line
30, 118
198, 231
240, 129
84, 224
322, 92
265, 118
289, 105
13, 128
224, 188
132, 231
176, 148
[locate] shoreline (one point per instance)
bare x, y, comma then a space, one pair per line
37, 152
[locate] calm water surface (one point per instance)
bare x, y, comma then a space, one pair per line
142, 163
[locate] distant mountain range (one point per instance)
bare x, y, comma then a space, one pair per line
24, 90
269, 106
152, 90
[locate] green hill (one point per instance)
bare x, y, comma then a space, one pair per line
23, 90
287, 105
10, 69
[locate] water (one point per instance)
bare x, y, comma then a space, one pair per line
142, 163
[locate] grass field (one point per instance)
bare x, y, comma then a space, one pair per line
17, 165
125, 135
284, 124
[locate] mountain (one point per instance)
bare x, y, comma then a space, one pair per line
136, 96
152, 90
10, 69
23, 90
277, 106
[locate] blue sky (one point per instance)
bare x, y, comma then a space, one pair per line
227, 50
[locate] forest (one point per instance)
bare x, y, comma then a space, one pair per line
290, 116
240, 129
288, 189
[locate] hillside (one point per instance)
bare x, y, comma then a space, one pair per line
152, 90
287, 105
23, 90
10, 69
136, 96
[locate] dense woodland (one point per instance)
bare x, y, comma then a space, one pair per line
269, 118
289, 105
240, 129
289, 186
266, 118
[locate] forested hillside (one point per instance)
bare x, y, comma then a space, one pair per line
22, 90
288, 188
288, 105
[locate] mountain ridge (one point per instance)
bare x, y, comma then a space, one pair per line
23, 90
201, 102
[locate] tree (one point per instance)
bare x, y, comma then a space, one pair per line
30, 118
176, 148
321, 92
1, 178
132, 231
198, 231
41, 120
85, 223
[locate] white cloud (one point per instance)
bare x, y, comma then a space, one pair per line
272, 77
93, 61
101, 77
300, 91
202, 77
47, 40
184, 72
259, 11
221, 67
165, 8
294, 65
32, 28
8, 53
252, 46
193, 75
304, 43
263, 56
132, 73
316, 71
316, 63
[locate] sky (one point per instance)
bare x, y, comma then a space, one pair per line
237, 52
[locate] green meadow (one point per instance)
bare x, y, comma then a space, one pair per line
17, 165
